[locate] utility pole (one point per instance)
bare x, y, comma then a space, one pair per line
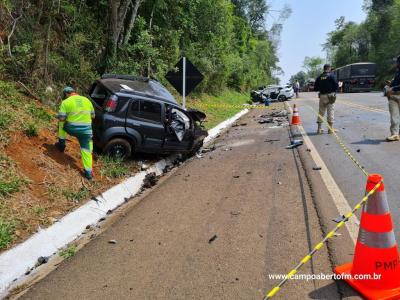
184, 83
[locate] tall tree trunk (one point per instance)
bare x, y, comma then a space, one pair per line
118, 11
13, 27
133, 15
48, 33
151, 40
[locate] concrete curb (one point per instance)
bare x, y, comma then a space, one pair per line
15, 262
340, 249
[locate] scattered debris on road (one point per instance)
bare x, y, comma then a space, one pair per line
295, 144
276, 118
206, 150
212, 239
144, 166
271, 141
41, 261
239, 125
339, 219
150, 180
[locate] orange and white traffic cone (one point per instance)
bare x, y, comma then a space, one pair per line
375, 270
296, 116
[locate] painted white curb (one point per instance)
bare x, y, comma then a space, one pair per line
15, 262
213, 133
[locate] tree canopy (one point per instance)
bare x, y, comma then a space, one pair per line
376, 39
54, 42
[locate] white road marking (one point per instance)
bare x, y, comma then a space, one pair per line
339, 200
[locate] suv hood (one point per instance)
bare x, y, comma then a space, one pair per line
197, 115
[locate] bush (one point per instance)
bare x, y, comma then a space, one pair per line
113, 167
68, 252
6, 119
10, 182
76, 196
6, 233
31, 130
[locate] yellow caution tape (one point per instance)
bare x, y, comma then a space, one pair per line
341, 143
273, 292
249, 106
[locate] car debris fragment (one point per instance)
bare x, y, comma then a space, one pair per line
41, 261
150, 180
212, 239
275, 118
294, 144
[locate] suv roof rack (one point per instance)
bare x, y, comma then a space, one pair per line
125, 77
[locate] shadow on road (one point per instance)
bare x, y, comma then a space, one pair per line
369, 142
345, 290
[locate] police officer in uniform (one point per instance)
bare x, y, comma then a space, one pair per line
75, 118
393, 94
327, 85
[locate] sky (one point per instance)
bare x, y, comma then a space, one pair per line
306, 30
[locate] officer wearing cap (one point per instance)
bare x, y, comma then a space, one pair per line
393, 94
327, 85
75, 118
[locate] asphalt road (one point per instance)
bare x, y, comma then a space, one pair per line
363, 123
214, 229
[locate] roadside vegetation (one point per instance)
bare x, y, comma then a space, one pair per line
374, 40
46, 45
68, 252
113, 167
220, 108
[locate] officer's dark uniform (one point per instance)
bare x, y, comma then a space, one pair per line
394, 105
327, 85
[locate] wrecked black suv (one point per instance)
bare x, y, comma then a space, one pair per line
135, 114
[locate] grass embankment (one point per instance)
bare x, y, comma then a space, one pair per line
38, 184
219, 108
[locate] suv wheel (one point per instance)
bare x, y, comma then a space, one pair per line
118, 148
282, 98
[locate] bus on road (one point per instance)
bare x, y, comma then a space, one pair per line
358, 77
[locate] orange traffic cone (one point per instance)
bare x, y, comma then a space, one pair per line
296, 116
375, 270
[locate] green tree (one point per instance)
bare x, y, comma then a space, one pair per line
313, 66
301, 77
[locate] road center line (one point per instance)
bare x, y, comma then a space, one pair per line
363, 107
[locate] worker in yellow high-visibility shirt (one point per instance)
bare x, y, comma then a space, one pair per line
75, 118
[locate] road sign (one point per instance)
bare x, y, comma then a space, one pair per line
185, 79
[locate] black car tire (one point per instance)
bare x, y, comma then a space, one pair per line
281, 98
118, 148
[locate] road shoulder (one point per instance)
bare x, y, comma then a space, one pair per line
340, 248
215, 229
